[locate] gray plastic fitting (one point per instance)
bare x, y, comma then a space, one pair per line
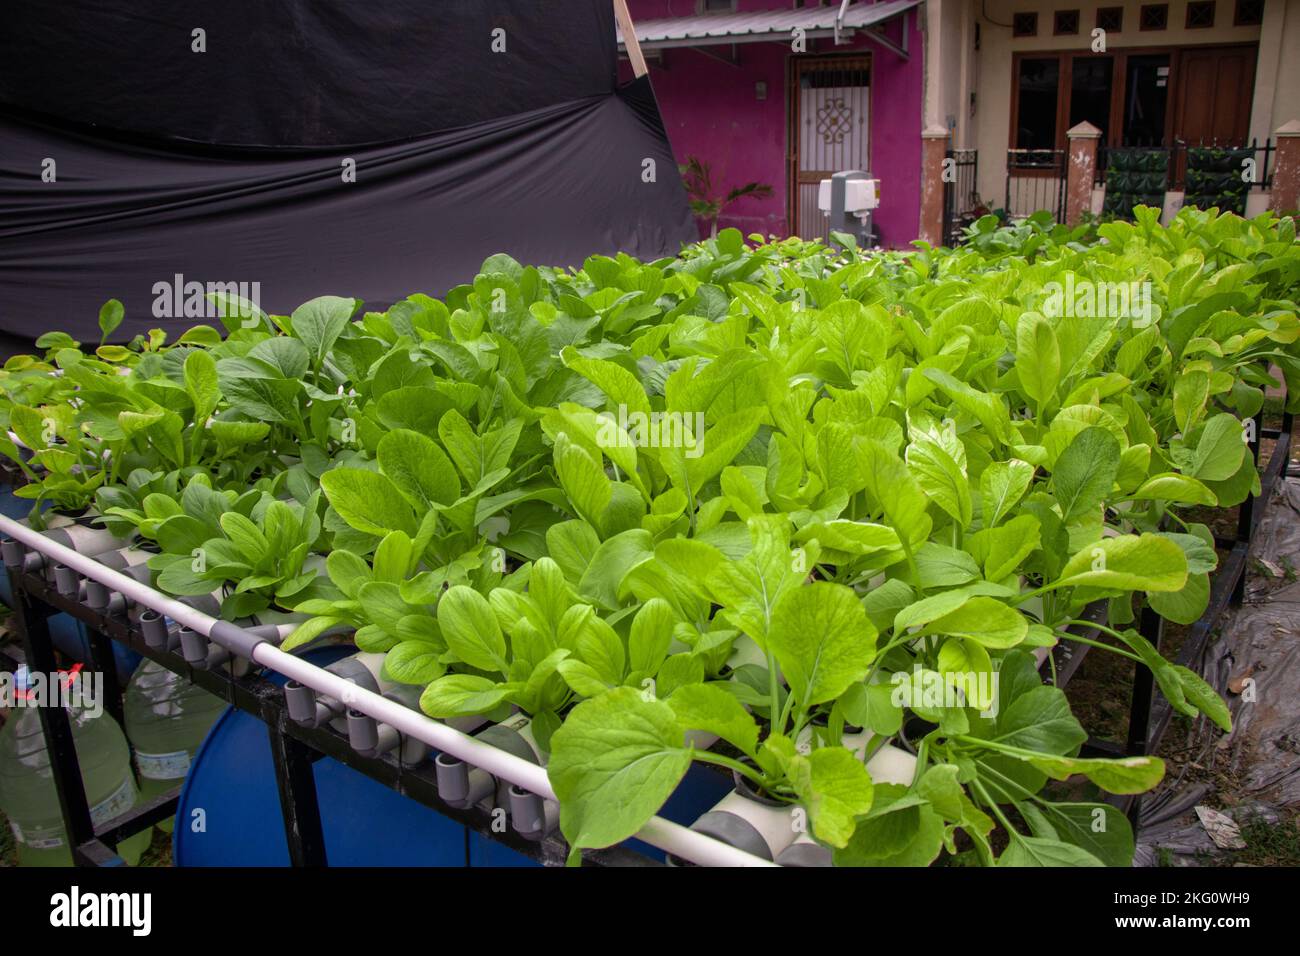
806, 854
12, 551
461, 785
96, 596
528, 816
194, 647
66, 581
303, 707
153, 628
735, 831
369, 737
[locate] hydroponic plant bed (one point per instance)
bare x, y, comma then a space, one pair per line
773, 494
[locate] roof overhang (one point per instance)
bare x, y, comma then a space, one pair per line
766, 26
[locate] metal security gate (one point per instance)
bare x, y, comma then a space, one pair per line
829, 103
1036, 181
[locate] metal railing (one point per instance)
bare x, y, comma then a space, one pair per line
1036, 181
961, 199
1182, 151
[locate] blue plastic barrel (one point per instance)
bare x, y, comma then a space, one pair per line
231, 792
229, 811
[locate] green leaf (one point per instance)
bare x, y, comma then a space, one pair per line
1145, 562
1002, 484
984, 620
201, 384
1097, 828
597, 645
471, 629
651, 636
419, 468
939, 786
1036, 851
835, 788
1205, 698
619, 385
348, 572
822, 640
1039, 720
111, 314
901, 829
614, 762
247, 537
611, 563
1220, 451
872, 706
1186, 605
709, 708
583, 479
414, 662
319, 322
308, 631
941, 479
1038, 358
987, 409
462, 695
1085, 473
368, 501
1180, 489
1121, 776
895, 491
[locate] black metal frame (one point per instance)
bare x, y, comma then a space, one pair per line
294, 748
1149, 711
960, 196
1176, 183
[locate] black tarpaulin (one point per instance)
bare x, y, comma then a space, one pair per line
164, 175
301, 72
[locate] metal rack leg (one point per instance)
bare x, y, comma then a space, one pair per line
78, 827
1246, 510
104, 662
299, 802
1151, 626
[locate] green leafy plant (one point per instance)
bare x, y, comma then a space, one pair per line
777, 507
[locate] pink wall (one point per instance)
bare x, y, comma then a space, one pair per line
711, 111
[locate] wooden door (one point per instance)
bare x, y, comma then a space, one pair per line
1215, 86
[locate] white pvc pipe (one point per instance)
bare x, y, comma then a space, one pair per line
664, 834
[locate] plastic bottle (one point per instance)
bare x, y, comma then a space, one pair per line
167, 718
28, 795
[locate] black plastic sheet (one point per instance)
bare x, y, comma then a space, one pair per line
301, 72
326, 148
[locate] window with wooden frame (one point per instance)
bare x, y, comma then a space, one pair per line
1110, 19
1200, 15
1146, 96
1248, 13
1024, 24
1065, 23
1153, 16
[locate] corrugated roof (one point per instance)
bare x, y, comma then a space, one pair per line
757, 26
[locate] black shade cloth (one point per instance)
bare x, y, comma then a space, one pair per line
300, 72
455, 158
551, 186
